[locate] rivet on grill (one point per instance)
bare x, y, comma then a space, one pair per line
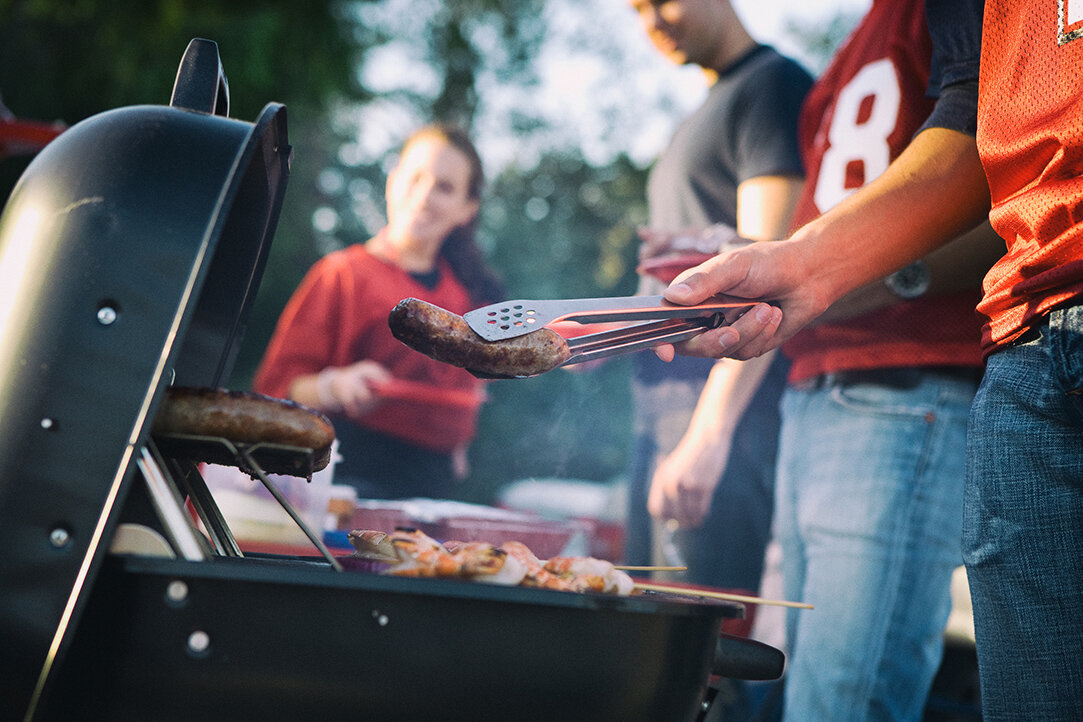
380, 617
107, 315
59, 537
176, 592
47, 423
198, 642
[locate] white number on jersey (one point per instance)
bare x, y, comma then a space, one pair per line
864, 142
1069, 20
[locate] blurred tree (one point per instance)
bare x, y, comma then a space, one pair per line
818, 40
69, 59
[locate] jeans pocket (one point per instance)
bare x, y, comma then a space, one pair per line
886, 401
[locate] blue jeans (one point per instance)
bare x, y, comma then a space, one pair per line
869, 502
1023, 533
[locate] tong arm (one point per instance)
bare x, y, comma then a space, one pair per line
510, 319
638, 337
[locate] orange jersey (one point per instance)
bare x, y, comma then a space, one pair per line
1030, 137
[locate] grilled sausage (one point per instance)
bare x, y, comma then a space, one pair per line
245, 418
446, 337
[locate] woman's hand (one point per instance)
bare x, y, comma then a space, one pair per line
351, 389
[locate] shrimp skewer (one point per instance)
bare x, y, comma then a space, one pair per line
373, 545
419, 555
536, 573
592, 574
486, 563
412, 553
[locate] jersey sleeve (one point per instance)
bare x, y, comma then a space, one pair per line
955, 27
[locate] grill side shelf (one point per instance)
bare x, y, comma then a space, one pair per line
255, 459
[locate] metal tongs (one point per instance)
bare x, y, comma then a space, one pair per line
666, 322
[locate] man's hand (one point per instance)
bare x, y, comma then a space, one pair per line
778, 272
684, 484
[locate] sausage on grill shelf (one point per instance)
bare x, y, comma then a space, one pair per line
246, 418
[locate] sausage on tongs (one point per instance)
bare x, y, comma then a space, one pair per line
445, 336
512, 339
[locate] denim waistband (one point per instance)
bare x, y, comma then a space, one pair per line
893, 377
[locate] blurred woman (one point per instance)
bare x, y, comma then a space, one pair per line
404, 422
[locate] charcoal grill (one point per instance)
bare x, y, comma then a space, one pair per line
131, 251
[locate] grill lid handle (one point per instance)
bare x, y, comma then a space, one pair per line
201, 83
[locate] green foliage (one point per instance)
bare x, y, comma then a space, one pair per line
68, 59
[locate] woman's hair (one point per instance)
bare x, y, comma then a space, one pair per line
460, 248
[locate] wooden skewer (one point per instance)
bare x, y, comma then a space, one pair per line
634, 568
722, 595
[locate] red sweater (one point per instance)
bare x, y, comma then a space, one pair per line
338, 316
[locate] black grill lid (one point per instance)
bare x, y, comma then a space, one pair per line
130, 252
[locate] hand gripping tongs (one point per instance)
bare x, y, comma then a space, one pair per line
666, 322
